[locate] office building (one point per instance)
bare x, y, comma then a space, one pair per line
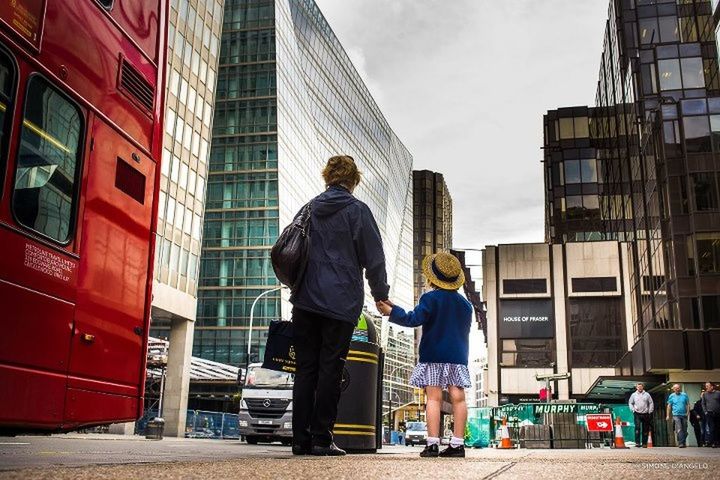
432, 220
288, 98
643, 167
554, 309
628, 288
193, 52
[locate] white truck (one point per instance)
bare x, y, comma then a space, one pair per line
266, 406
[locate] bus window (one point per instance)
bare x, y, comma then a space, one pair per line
48, 156
7, 80
107, 4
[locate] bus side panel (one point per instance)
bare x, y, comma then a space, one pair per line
31, 398
110, 323
80, 44
36, 329
84, 407
139, 18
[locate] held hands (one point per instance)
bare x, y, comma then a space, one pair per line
384, 307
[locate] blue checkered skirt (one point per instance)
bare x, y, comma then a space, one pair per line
440, 375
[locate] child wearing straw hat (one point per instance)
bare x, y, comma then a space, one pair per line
445, 317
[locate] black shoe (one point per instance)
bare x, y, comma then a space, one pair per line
430, 451
331, 451
637, 445
301, 450
450, 451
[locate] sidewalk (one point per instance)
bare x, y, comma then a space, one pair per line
114, 456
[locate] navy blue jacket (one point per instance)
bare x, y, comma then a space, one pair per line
344, 240
445, 317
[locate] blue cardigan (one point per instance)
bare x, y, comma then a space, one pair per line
445, 317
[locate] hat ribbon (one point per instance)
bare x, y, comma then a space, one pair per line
441, 276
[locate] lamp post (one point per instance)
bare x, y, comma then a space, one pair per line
252, 316
390, 393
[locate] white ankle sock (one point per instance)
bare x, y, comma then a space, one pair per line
456, 442
433, 441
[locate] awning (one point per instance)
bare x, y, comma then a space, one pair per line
618, 388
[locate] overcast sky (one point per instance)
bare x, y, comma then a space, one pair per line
465, 83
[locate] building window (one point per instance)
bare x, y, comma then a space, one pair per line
596, 331
572, 171
47, 162
669, 72
529, 353
579, 207
594, 284
525, 286
648, 28
708, 253
711, 311
705, 191
697, 134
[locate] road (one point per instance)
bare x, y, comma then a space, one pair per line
107, 456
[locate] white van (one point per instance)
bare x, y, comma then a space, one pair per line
266, 406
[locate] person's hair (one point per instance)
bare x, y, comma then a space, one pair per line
639, 383
341, 170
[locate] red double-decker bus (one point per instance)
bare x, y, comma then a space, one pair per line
81, 108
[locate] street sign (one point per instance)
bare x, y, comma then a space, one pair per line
599, 422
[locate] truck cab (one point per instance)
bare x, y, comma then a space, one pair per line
416, 433
266, 406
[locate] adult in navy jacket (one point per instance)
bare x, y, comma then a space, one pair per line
344, 241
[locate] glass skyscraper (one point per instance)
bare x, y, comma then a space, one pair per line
642, 167
287, 99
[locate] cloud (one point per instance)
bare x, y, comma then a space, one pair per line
465, 83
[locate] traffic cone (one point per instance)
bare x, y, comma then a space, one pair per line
649, 444
619, 439
505, 441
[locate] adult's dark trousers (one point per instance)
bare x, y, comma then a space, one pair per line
713, 424
699, 428
321, 348
643, 426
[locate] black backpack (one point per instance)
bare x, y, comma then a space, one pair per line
290, 253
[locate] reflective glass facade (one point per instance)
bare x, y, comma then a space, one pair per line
288, 98
433, 220
654, 133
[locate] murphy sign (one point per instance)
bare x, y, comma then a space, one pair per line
579, 408
526, 319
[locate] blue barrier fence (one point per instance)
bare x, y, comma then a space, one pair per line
200, 424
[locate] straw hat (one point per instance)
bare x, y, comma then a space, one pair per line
444, 271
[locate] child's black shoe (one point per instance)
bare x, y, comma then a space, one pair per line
430, 451
456, 452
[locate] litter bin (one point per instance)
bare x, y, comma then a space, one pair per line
357, 419
154, 429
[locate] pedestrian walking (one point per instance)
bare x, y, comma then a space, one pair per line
697, 420
642, 406
328, 300
711, 407
678, 405
445, 317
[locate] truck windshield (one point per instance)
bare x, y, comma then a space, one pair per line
417, 426
262, 378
